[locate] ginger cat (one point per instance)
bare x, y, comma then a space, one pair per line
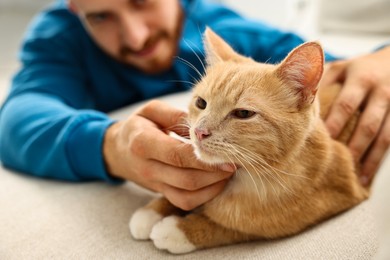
265, 119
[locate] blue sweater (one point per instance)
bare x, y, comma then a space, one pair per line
53, 122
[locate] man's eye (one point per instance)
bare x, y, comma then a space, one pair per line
243, 113
201, 103
99, 18
139, 2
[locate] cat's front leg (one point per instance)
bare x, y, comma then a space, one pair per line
143, 220
181, 235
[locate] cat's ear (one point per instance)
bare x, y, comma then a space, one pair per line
302, 69
217, 49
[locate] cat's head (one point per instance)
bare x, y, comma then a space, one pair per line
242, 110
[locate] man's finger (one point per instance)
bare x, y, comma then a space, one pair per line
334, 72
376, 154
188, 200
369, 125
162, 114
184, 179
156, 145
351, 96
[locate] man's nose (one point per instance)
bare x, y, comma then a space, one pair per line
135, 32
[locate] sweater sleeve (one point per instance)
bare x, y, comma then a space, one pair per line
42, 136
48, 127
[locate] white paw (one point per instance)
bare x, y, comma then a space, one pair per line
166, 235
142, 222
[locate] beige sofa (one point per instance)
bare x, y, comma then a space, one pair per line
44, 219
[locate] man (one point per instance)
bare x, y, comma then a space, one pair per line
81, 59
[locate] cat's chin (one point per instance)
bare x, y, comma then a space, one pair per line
208, 157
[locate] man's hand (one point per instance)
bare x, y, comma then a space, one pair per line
366, 87
139, 149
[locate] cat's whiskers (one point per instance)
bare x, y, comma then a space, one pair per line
231, 161
270, 171
234, 211
267, 174
189, 64
182, 81
286, 173
276, 169
261, 176
250, 175
197, 56
266, 169
251, 159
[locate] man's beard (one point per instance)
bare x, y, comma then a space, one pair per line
125, 51
156, 66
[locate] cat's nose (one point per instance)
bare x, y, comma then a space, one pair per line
202, 133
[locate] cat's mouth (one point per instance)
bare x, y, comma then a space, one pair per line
206, 151
203, 149
208, 154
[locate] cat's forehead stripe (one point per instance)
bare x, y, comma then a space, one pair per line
227, 83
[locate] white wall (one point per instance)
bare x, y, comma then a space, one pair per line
273, 11
22, 4
277, 12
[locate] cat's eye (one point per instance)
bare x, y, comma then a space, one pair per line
201, 103
243, 113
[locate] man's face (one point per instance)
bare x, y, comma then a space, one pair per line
141, 33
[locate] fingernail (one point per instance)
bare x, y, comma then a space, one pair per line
227, 168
